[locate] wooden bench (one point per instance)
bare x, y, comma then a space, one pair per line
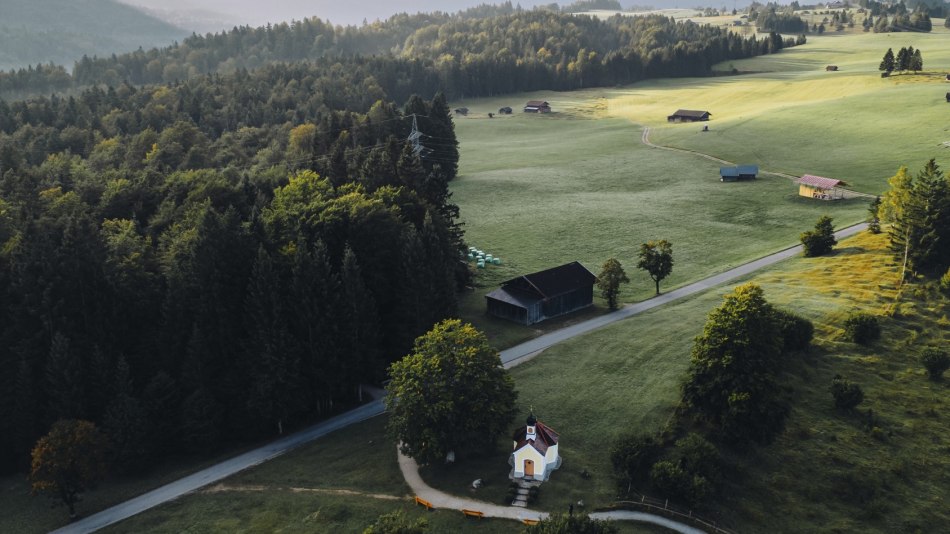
530, 522
424, 502
472, 513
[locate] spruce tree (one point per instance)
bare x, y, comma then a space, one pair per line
887, 64
63, 380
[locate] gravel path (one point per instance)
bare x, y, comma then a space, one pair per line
410, 471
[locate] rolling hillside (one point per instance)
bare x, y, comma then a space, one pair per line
61, 31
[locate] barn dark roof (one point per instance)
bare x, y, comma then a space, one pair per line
748, 169
544, 437
698, 114
536, 103
518, 298
555, 281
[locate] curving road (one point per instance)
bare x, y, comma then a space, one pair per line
509, 357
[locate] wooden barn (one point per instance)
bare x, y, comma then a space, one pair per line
537, 106
820, 187
461, 111
688, 115
737, 173
831, 68
505, 110
535, 297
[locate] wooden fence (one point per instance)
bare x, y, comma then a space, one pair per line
661, 507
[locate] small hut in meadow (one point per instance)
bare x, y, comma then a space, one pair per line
688, 115
737, 173
831, 68
820, 187
537, 106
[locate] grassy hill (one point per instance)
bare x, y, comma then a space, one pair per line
62, 31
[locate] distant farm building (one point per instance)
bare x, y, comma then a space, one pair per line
461, 111
831, 67
537, 106
688, 115
737, 173
505, 110
948, 97
820, 187
535, 297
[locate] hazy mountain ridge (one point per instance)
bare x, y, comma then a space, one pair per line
62, 31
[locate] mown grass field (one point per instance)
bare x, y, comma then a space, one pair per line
827, 472
539, 191
579, 185
790, 115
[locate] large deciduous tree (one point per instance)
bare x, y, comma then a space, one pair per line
609, 280
731, 380
68, 460
449, 394
656, 258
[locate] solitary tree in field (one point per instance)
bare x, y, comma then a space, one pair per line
451, 392
656, 258
68, 460
609, 280
887, 64
820, 240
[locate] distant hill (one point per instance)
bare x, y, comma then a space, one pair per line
61, 31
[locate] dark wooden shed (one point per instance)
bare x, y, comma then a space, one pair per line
831, 68
688, 115
535, 297
739, 172
537, 106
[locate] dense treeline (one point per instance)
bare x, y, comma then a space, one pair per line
182, 280
463, 55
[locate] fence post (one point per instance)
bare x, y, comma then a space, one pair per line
666, 504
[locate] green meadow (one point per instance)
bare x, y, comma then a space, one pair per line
578, 184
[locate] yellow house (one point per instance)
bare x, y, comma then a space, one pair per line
820, 187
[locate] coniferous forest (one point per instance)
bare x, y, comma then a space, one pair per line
219, 240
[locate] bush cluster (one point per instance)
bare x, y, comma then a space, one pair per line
847, 394
862, 328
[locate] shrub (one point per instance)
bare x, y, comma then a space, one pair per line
797, 331
698, 456
862, 328
935, 361
675, 483
631, 456
846, 393
945, 279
